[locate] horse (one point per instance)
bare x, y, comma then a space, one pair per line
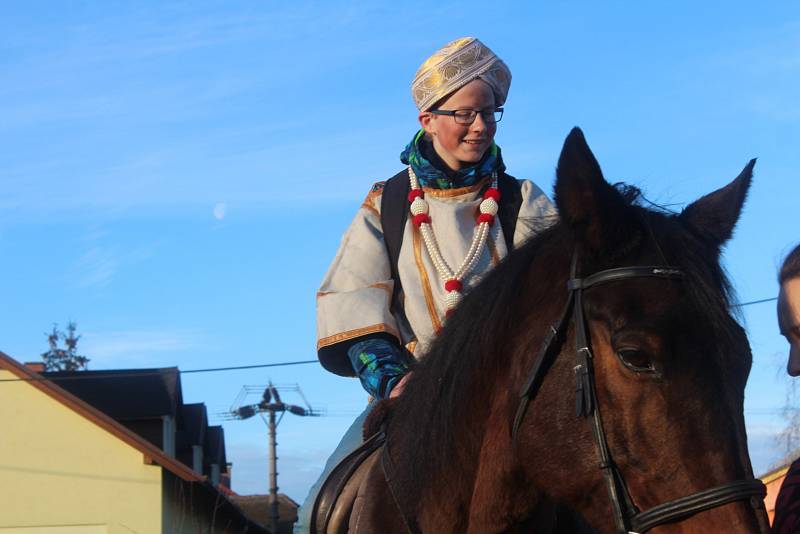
628, 417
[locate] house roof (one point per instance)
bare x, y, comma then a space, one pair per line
256, 507
215, 446
151, 453
195, 423
191, 432
228, 502
127, 393
775, 474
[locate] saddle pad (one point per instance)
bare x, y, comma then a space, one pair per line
332, 488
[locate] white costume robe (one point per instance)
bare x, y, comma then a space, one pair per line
355, 295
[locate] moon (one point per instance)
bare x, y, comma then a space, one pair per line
220, 210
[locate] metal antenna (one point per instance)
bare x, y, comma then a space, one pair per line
270, 404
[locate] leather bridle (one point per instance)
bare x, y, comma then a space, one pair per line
627, 517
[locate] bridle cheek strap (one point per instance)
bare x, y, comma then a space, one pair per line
627, 518
684, 507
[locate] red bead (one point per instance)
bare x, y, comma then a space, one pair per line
449, 312
414, 193
421, 218
492, 193
486, 218
453, 285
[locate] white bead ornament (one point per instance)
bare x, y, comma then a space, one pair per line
490, 206
420, 206
452, 299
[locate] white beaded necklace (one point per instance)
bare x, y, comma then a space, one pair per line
453, 280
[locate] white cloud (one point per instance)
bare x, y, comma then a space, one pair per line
95, 268
137, 346
761, 75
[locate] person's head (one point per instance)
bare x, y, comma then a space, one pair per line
789, 308
464, 76
458, 143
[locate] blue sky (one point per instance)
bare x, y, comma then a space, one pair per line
176, 176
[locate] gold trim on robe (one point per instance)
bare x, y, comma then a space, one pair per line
425, 281
358, 332
449, 193
493, 250
367, 206
385, 286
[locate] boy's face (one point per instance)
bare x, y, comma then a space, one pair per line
789, 321
462, 145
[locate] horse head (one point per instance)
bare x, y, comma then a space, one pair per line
669, 361
643, 343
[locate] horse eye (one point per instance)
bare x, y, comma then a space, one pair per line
636, 360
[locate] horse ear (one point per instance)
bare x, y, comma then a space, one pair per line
714, 215
594, 209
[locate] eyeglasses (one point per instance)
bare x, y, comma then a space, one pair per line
467, 116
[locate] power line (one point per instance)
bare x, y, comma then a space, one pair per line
753, 302
81, 376
239, 367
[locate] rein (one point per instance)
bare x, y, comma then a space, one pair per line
628, 519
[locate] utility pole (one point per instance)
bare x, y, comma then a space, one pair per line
273, 467
273, 473
272, 404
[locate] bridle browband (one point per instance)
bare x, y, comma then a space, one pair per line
627, 517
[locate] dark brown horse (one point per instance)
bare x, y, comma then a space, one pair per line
669, 367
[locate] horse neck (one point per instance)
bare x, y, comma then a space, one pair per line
471, 457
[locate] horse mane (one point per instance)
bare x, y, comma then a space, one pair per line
445, 404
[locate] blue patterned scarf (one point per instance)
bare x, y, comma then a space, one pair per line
440, 176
